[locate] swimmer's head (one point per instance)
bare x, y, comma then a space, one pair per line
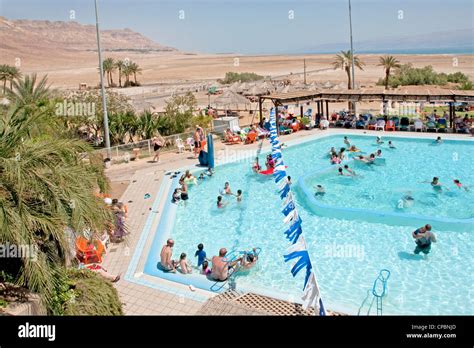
288, 178
182, 256
372, 155
438, 138
340, 170
346, 166
250, 257
239, 192
219, 198
205, 264
379, 151
428, 227
435, 179
226, 184
170, 242
200, 246
222, 251
343, 149
456, 181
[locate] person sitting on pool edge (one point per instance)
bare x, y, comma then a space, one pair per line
183, 264
167, 264
221, 267
423, 239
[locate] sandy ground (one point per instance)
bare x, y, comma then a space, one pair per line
164, 72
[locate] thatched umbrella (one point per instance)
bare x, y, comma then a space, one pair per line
229, 98
328, 84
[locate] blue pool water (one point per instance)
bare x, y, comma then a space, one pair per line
347, 254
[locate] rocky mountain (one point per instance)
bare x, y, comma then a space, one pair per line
30, 37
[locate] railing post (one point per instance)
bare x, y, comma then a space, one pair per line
149, 147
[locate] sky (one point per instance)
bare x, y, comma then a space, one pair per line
257, 26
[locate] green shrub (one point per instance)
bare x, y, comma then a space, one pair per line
84, 292
231, 77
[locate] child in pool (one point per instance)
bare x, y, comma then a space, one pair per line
176, 196
335, 159
459, 185
239, 196
390, 145
220, 202
320, 191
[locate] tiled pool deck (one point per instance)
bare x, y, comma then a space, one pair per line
145, 295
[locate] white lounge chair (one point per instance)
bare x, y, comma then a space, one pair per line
380, 125
179, 145
419, 126
190, 143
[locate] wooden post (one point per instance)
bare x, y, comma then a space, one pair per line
301, 111
451, 116
318, 104
277, 121
260, 110
327, 109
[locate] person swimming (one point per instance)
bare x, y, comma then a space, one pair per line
435, 184
332, 152
341, 154
288, 180
371, 159
320, 191
176, 195
201, 176
379, 153
340, 172
270, 162
406, 201
227, 189
239, 196
438, 140
335, 159
220, 202
379, 140
347, 142
390, 145
349, 170
459, 185
353, 148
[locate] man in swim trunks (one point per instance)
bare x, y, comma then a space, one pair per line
221, 267
423, 239
435, 184
166, 262
197, 141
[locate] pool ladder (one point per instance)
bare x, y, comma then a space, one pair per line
379, 291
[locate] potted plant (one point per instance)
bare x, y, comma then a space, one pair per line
305, 121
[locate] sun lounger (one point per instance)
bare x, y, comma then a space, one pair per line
404, 124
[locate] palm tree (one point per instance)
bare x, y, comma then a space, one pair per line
30, 93
135, 69
147, 124
45, 190
127, 70
109, 67
120, 65
388, 63
344, 61
4, 75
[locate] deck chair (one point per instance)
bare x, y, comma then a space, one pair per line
380, 125
87, 252
419, 126
179, 145
390, 126
404, 124
190, 143
442, 125
251, 138
431, 127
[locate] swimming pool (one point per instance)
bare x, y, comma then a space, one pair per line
347, 254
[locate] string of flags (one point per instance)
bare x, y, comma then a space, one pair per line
297, 252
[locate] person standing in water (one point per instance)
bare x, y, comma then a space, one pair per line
423, 239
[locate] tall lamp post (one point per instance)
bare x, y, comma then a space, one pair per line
352, 54
102, 86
